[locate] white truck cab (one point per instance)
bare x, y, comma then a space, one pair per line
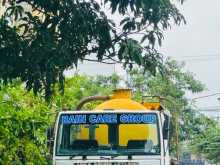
111, 137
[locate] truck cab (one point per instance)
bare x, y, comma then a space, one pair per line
119, 131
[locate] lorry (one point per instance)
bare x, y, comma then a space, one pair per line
119, 131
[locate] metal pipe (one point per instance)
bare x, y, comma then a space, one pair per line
90, 99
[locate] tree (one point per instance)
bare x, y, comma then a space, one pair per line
138, 81
110, 82
24, 118
194, 124
172, 86
40, 39
207, 144
79, 87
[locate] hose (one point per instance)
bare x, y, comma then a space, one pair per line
90, 99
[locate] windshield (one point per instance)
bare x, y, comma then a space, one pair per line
108, 134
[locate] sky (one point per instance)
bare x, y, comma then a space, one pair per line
196, 43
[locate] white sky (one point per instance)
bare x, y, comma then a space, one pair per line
197, 43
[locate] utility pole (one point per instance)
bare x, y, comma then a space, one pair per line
177, 136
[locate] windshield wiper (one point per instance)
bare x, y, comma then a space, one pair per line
83, 153
104, 153
107, 158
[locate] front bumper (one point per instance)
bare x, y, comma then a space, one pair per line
109, 162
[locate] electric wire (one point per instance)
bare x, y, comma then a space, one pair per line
198, 58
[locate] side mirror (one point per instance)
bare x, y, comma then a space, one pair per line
166, 127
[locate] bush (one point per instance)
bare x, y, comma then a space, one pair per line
23, 122
24, 118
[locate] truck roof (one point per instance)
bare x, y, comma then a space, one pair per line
110, 111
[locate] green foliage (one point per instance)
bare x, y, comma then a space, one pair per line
194, 123
77, 88
138, 81
174, 84
171, 86
24, 118
109, 82
40, 39
23, 123
207, 144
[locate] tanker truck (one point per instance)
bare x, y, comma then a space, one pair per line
119, 131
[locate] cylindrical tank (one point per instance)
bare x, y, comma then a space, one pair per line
120, 100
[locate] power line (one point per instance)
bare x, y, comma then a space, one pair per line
198, 58
202, 60
214, 94
209, 110
210, 107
